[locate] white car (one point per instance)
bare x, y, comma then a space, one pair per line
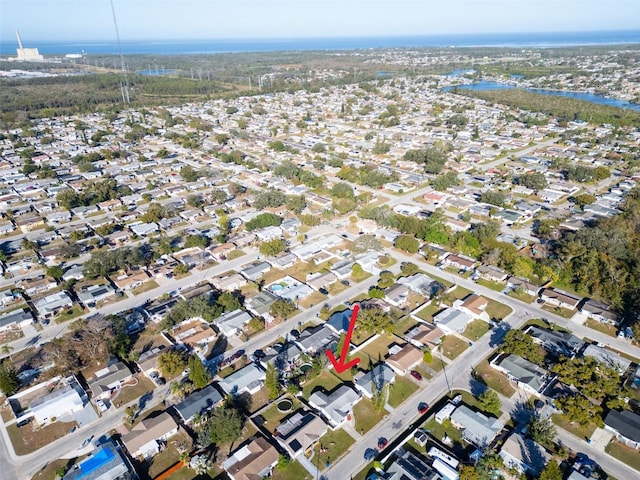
101, 405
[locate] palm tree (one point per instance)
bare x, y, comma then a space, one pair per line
7, 349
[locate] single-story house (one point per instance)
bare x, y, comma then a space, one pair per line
255, 270
560, 298
379, 375
609, 358
452, 320
16, 319
421, 284
403, 359
107, 462
600, 311
475, 305
108, 379
625, 425
558, 343
410, 466
336, 407
284, 261
253, 461
527, 375
198, 402
424, 335
316, 339
231, 323
89, 295
528, 287
491, 273
397, 295
148, 361
248, 379
524, 455
320, 280
50, 305
459, 261
299, 432
145, 438
229, 283
476, 427
260, 304
196, 333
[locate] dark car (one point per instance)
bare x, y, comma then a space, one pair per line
415, 374
237, 355
345, 283
370, 454
294, 333
382, 442
423, 407
323, 291
259, 354
161, 381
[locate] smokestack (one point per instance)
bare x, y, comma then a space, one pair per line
19, 39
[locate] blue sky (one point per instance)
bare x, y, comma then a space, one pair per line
41, 20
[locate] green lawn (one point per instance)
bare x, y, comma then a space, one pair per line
575, 428
170, 455
326, 379
400, 390
366, 416
498, 287
273, 416
364, 473
523, 297
440, 430
461, 292
403, 325
129, 393
452, 346
378, 349
605, 328
494, 379
476, 329
627, 455
563, 312
429, 311
497, 310
336, 443
294, 471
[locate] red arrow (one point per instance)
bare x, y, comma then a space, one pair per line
339, 365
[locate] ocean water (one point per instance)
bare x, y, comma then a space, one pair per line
181, 47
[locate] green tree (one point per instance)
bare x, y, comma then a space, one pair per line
493, 197
551, 471
200, 241
490, 402
408, 268
535, 180
198, 373
517, 342
374, 320
272, 382
56, 272
386, 280
282, 308
427, 356
171, 363
181, 269
273, 247
542, 429
375, 292
229, 302
9, 381
224, 425
578, 408
262, 221
408, 243
295, 203
342, 190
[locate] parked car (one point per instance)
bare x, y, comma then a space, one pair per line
101, 406
323, 291
382, 442
415, 374
423, 407
345, 283
370, 454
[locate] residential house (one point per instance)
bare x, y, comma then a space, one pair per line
424, 335
106, 462
320, 280
194, 332
195, 291
35, 285
148, 361
260, 305
16, 319
255, 270
232, 323
49, 400
452, 320
129, 280
554, 341
560, 298
198, 403
476, 427
342, 269
146, 438
475, 305
421, 284
90, 295
524, 455
253, 461
229, 282
336, 407
491, 273
299, 432
459, 261
220, 252
611, 359
600, 311
403, 359
524, 284
284, 261
144, 229
157, 309
108, 379
339, 321
525, 374
248, 379
411, 466
317, 339
283, 360
625, 425
397, 295
50, 305
369, 262
379, 376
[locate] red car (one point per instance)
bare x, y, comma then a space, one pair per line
423, 407
415, 374
382, 442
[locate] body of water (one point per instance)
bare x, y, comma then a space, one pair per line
589, 97
179, 47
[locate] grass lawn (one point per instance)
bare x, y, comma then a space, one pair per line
69, 314
360, 278
127, 394
360, 336
498, 287
294, 471
429, 311
467, 398
451, 346
273, 416
145, 287
314, 299
403, 325
627, 455
523, 297
476, 329
378, 349
170, 455
460, 292
497, 310
438, 431
563, 312
575, 428
400, 390
30, 438
326, 380
48, 472
233, 254
336, 443
366, 416
364, 473
605, 328
494, 379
